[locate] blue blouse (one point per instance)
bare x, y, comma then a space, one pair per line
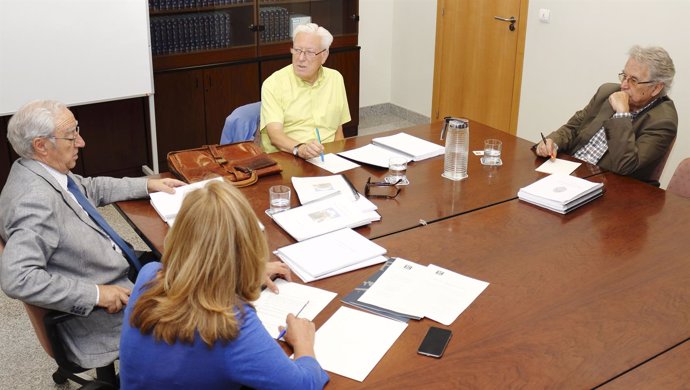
253, 359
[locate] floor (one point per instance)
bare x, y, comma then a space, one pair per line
24, 364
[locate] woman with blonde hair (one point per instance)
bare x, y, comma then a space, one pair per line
189, 322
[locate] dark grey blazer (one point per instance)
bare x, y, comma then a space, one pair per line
635, 147
55, 255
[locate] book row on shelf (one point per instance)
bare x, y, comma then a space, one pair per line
277, 24
165, 5
187, 33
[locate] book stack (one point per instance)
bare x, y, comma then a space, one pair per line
399, 145
192, 32
331, 254
165, 5
561, 193
276, 22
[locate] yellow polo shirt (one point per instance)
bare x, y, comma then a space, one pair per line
302, 107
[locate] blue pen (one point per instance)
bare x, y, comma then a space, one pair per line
318, 138
282, 333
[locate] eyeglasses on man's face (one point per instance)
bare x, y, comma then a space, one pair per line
632, 80
72, 139
381, 189
310, 55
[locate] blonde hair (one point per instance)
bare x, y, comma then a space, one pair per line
214, 261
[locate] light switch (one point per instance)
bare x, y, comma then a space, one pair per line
544, 15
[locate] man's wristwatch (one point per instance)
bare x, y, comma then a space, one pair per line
295, 149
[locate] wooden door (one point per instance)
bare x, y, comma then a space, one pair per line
226, 88
478, 61
180, 118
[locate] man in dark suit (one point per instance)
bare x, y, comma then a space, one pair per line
626, 128
56, 255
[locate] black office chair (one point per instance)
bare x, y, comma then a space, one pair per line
45, 323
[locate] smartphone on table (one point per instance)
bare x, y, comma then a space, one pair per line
435, 342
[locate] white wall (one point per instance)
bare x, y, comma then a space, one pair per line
397, 59
376, 41
584, 45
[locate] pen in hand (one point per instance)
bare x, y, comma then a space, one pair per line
282, 332
551, 155
318, 138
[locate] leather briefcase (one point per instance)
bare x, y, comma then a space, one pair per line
242, 163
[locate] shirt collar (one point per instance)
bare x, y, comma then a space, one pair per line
636, 113
59, 176
319, 78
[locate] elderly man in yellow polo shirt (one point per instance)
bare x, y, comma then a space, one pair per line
303, 97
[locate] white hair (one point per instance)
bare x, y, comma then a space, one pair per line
313, 28
660, 64
33, 120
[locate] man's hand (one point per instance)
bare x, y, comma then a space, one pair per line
550, 149
276, 268
619, 101
113, 298
310, 150
164, 185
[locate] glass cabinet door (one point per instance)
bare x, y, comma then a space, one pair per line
278, 18
191, 27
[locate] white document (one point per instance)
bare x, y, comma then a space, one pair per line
168, 205
417, 148
373, 155
559, 190
272, 309
559, 166
330, 252
306, 278
333, 163
323, 216
449, 294
401, 288
310, 189
352, 342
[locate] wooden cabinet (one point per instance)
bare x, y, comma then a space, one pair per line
223, 53
191, 105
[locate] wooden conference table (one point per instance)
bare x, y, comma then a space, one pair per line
574, 301
428, 198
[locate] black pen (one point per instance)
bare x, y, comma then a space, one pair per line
544, 139
349, 183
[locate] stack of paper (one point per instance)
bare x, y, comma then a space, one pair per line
272, 309
168, 205
399, 145
416, 291
561, 193
326, 215
331, 254
353, 297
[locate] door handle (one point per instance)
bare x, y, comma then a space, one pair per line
510, 20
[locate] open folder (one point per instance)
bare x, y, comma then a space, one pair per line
168, 205
399, 145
